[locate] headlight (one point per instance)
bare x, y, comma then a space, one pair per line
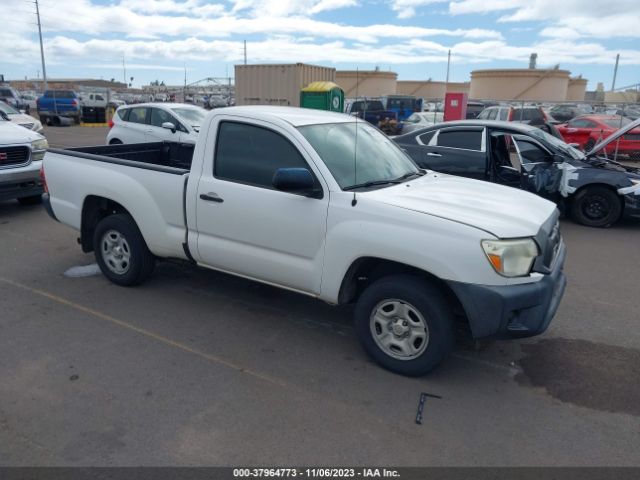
38, 148
511, 258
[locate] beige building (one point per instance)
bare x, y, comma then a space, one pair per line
429, 89
66, 84
521, 84
577, 89
366, 83
277, 84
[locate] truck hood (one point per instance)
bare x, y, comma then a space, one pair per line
11, 133
502, 211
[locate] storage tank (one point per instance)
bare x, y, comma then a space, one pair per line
577, 89
428, 89
520, 84
277, 84
366, 83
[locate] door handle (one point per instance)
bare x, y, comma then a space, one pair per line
211, 197
431, 154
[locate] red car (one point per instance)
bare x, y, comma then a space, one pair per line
587, 130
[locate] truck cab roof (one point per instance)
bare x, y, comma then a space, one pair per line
295, 116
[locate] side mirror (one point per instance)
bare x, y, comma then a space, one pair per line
169, 126
296, 180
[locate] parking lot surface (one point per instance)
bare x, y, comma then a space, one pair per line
197, 367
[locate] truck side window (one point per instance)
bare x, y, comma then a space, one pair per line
251, 155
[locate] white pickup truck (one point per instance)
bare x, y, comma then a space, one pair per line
323, 204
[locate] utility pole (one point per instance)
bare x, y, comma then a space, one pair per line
44, 71
448, 65
124, 73
245, 52
615, 73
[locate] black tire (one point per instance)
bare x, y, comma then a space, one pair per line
44, 120
115, 141
421, 296
140, 261
589, 145
32, 200
596, 207
77, 120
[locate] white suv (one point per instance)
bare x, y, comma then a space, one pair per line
156, 122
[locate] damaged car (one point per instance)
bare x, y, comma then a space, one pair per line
590, 187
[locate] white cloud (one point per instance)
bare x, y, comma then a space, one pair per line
407, 8
568, 18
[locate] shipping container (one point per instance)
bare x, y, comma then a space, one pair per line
277, 84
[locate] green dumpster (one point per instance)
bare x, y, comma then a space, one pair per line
322, 96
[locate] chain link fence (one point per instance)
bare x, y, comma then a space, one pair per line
582, 124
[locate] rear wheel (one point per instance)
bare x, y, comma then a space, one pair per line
115, 141
121, 252
596, 207
404, 324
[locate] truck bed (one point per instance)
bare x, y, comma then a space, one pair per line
170, 157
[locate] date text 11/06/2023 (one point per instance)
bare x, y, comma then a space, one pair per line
315, 473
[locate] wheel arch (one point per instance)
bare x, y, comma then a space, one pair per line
365, 270
94, 209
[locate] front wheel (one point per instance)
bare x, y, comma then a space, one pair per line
596, 207
115, 141
404, 324
121, 252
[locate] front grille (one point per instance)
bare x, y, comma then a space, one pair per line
553, 245
13, 156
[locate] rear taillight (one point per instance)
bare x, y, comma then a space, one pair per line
110, 123
510, 119
43, 180
74, 102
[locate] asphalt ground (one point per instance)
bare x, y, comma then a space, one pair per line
200, 368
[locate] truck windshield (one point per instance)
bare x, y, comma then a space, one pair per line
377, 159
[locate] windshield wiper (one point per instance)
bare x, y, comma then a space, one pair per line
372, 184
409, 175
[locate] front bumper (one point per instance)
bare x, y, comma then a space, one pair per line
513, 311
20, 181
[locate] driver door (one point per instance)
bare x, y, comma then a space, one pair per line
540, 173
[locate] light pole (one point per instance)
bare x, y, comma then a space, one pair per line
44, 71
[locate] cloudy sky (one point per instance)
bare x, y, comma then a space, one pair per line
159, 38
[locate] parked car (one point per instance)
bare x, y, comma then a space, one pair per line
564, 113
420, 120
402, 105
371, 110
21, 153
156, 122
631, 112
59, 103
594, 190
22, 119
93, 99
30, 100
322, 204
475, 108
529, 114
587, 130
12, 97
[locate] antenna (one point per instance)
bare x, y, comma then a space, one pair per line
355, 148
